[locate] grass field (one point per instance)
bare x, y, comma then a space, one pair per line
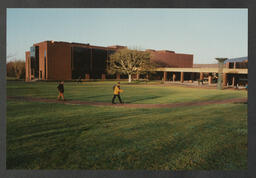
133, 93
57, 136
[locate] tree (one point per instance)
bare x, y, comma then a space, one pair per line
16, 69
129, 62
10, 69
20, 69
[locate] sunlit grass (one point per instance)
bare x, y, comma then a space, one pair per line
58, 136
55, 136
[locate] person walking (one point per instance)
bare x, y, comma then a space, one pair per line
117, 91
61, 90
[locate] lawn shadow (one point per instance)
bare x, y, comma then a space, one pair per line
142, 99
98, 96
216, 97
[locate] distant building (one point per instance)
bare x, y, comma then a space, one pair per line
50, 60
237, 63
235, 72
231, 63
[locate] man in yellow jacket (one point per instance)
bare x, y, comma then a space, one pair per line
117, 92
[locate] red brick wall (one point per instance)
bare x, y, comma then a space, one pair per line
59, 61
171, 59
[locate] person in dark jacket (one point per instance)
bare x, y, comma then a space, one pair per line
61, 90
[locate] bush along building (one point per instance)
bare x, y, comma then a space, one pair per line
49, 60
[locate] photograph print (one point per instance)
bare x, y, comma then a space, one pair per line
126, 89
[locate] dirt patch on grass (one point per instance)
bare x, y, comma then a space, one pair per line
170, 105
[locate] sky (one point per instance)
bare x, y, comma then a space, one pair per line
205, 33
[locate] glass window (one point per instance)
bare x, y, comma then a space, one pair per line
32, 51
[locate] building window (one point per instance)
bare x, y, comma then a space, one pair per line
32, 51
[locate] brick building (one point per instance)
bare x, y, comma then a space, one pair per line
49, 60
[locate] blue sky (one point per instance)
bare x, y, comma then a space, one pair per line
205, 33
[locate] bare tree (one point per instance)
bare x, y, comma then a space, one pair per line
16, 69
129, 62
10, 71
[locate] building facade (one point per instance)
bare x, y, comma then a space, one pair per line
165, 58
49, 60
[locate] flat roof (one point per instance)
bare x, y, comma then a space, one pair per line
204, 70
85, 45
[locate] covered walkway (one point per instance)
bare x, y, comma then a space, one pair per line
230, 76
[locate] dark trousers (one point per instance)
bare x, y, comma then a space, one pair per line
114, 97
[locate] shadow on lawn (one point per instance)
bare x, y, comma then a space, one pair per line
141, 99
216, 97
70, 98
98, 96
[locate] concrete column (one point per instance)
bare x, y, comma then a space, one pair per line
87, 76
209, 79
227, 65
181, 77
173, 77
118, 76
224, 79
233, 81
137, 76
165, 76
103, 76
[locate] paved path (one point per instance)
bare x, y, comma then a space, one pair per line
170, 105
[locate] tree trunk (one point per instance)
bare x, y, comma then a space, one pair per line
130, 78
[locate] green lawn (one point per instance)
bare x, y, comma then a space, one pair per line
103, 92
57, 136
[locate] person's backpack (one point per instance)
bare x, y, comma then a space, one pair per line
114, 87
